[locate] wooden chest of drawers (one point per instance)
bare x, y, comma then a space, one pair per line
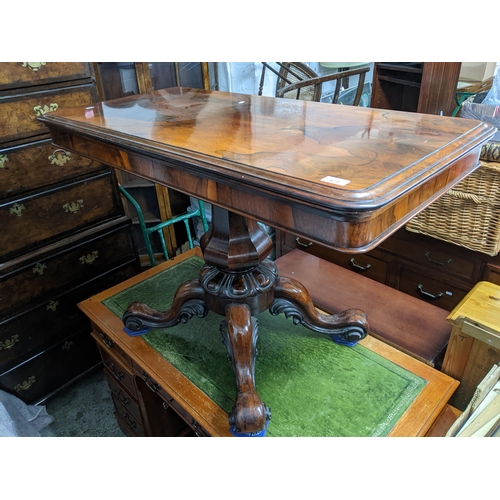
432, 270
64, 233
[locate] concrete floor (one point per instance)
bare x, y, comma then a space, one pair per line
84, 409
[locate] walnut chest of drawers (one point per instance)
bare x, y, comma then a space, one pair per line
64, 233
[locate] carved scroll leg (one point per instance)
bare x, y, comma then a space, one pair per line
291, 298
239, 332
189, 301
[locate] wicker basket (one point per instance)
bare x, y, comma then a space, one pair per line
469, 214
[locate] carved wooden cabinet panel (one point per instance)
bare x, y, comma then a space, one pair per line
64, 237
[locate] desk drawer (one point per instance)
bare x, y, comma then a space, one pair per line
24, 335
36, 220
19, 112
128, 424
37, 378
122, 397
24, 168
63, 267
24, 74
118, 372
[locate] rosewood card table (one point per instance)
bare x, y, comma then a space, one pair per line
341, 176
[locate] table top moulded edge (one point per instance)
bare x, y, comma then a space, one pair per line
416, 421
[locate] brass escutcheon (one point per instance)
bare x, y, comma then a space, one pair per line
52, 305
17, 209
26, 384
59, 157
33, 66
67, 345
9, 343
39, 268
89, 258
3, 160
73, 207
41, 110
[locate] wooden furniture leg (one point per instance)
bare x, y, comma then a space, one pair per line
239, 282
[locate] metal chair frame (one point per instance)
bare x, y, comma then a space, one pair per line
148, 231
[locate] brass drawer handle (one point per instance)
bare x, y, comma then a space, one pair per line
89, 258
42, 110
59, 157
306, 245
3, 161
117, 375
106, 341
33, 66
152, 386
9, 343
131, 423
17, 209
428, 295
427, 254
73, 207
25, 385
121, 397
357, 266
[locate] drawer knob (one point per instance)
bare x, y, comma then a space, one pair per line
428, 255
359, 267
428, 295
306, 245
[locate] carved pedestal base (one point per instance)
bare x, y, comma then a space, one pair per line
238, 282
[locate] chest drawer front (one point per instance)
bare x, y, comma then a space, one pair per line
34, 221
25, 335
80, 263
38, 377
19, 113
435, 258
433, 290
372, 265
22, 74
25, 168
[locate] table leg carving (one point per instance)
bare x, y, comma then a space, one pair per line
239, 332
293, 300
189, 301
238, 282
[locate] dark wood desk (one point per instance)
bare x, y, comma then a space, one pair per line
342, 176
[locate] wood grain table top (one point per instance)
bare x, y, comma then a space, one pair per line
344, 176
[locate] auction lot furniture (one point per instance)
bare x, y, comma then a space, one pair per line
343, 176
474, 345
179, 382
64, 234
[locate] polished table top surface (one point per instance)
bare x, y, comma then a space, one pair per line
288, 163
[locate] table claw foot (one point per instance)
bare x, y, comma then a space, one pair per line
189, 301
239, 332
291, 298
